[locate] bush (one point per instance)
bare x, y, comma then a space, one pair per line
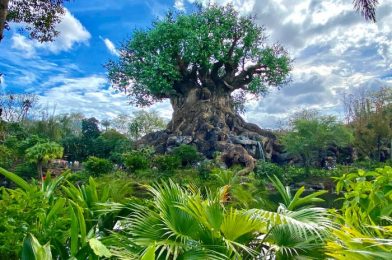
204, 169
166, 163
26, 170
136, 160
97, 166
187, 154
263, 169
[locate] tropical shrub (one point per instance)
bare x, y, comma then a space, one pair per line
97, 166
368, 196
264, 169
37, 215
166, 163
365, 216
187, 153
136, 160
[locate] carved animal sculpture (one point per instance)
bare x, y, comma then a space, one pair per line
236, 154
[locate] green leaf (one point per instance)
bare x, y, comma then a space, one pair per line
33, 250
16, 179
99, 248
149, 253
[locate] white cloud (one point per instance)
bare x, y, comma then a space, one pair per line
334, 49
72, 32
92, 96
110, 46
179, 5
20, 42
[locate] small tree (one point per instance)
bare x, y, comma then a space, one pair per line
309, 136
41, 153
369, 114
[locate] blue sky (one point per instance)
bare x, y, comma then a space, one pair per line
335, 51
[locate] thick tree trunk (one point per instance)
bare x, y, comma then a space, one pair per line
3, 16
207, 119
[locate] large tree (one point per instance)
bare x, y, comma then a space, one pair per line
206, 63
38, 17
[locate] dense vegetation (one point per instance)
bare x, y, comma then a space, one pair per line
74, 187
125, 203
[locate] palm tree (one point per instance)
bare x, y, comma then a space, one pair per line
367, 8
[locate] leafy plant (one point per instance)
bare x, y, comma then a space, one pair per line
97, 166
187, 154
136, 160
41, 153
166, 163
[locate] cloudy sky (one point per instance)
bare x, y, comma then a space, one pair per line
335, 51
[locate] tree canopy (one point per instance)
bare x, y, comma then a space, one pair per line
214, 47
38, 17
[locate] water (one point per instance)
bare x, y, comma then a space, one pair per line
260, 152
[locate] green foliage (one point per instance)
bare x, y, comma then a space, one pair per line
97, 166
41, 153
205, 168
166, 163
293, 202
181, 223
33, 250
309, 136
212, 42
367, 196
187, 154
44, 152
369, 114
144, 123
7, 156
264, 169
137, 160
111, 144
365, 215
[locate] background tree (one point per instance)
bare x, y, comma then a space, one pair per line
309, 136
198, 61
145, 122
41, 153
16, 107
39, 17
369, 113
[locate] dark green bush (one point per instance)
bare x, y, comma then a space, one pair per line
97, 166
26, 170
136, 160
166, 163
204, 169
187, 154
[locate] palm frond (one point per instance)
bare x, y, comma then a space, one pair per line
314, 221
